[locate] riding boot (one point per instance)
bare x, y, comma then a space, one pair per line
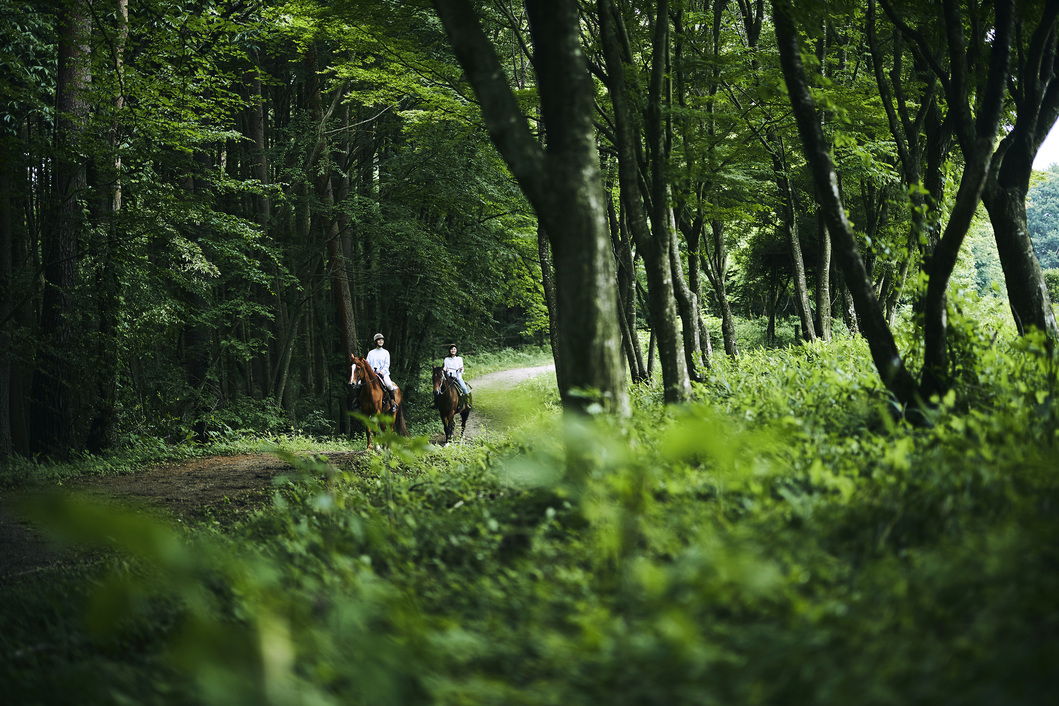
470, 399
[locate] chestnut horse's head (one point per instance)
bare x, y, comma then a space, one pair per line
362, 373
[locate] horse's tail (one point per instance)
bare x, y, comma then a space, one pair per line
398, 421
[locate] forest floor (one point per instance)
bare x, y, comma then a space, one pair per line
199, 488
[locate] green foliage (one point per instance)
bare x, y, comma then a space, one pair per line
1051, 280
1042, 217
781, 540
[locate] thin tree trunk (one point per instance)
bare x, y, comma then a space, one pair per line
548, 282
621, 241
731, 347
790, 227
55, 413
336, 270
823, 280
7, 189
103, 429
688, 307
652, 240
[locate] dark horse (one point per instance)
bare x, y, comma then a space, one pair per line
369, 391
447, 400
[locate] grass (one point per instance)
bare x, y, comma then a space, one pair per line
781, 539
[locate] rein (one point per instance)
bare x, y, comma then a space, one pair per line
370, 376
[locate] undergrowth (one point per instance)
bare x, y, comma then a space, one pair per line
785, 538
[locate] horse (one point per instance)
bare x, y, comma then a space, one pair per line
369, 391
447, 400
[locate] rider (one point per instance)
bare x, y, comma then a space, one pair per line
453, 367
379, 360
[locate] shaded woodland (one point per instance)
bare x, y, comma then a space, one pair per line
211, 205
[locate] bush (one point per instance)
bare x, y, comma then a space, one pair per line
1051, 280
781, 540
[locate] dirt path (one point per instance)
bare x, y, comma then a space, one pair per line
195, 487
488, 388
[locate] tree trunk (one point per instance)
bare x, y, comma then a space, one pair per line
550, 300
977, 132
694, 246
823, 279
621, 242
1005, 192
336, 267
650, 231
563, 184
883, 348
731, 347
1028, 297
103, 429
7, 305
688, 306
789, 217
54, 417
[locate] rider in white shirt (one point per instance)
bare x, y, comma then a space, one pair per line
453, 366
379, 360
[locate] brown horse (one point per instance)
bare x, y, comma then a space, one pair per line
369, 391
447, 400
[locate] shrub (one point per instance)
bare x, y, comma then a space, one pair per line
780, 540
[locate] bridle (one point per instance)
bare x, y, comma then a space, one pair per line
366, 374
446, 382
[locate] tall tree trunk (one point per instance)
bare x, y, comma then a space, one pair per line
1037, 100
883, 348
823, 279
1027, 293
103, 429
54, 417
336, 268
977, 132
562, 182
621, 241
688, 307
7, 298
922, 137
719, 270
649, 230
789, 216
550, 300
700, 251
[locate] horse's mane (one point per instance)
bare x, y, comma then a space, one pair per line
369, 371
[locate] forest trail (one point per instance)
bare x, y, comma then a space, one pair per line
195, 488
488, 387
